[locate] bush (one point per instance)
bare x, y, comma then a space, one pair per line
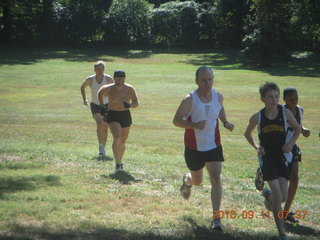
127, 22
175, 23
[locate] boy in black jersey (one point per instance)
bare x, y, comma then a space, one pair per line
274, 150
290, 96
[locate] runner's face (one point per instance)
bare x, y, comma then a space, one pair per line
205, 80
271, 99
99, 69
291, 100
119, 81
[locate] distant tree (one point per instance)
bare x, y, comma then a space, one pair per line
268, 38
306, 25
127, 22
229, 21
5, 33
176, 23
164, 26
46, 23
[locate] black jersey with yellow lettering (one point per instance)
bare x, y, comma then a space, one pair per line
272, 133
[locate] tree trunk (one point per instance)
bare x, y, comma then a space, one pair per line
6, 21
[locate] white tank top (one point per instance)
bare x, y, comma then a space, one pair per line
95, 88
209, 137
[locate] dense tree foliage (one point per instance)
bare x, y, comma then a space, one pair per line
267, 31
127, 22
268, 39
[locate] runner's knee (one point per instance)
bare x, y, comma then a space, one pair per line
215, 178
117, 140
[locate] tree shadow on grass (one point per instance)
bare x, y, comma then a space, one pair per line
123, 177
102, 158
14, 184
307, 66
195, 232
26, 56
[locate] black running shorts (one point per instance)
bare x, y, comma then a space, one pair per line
122, 117
274, 167
95, 108
196, 160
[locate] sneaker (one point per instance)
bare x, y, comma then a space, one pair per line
266, 193
101, 152
216, 225
290, 218
259, 180
119, 167
185, 190
283, 237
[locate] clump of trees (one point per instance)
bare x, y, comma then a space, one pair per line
266, 31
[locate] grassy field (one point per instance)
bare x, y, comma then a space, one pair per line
52, 185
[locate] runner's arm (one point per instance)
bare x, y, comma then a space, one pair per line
223, 116
253, 121
296, 132
87, 82
103, 91
179, 119
134, 98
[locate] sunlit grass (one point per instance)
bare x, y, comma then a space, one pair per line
52, 186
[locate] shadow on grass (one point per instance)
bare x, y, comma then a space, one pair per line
26, 56
102, 158
19, 165
308, 66
301, 230
123, 177
195, 232
14, 184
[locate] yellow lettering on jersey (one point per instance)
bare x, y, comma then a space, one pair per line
272, 128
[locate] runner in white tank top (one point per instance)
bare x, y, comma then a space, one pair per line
198, 114
209, 137
95, 82
95, 88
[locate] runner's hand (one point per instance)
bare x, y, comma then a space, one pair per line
305, 132
200, 125
126, 105
103, 109
287, 148
261, 151
229, 126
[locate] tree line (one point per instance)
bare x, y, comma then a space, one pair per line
266, 31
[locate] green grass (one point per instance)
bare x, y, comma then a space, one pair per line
52, 186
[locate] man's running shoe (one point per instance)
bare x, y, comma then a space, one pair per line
185, 190
290, 218
259, 180
119, 167
101, 151
266, 193
216, 225
283, 237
